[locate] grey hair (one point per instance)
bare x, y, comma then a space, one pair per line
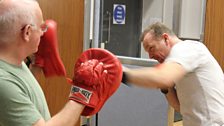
14, 14
157, 29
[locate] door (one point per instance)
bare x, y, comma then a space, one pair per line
69, 16
121, 26
214, 29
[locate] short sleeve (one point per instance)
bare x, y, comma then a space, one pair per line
188, 54
16, 107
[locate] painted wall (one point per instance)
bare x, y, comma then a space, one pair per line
185, 17
156, 10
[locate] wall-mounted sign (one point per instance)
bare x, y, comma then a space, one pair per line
119, 14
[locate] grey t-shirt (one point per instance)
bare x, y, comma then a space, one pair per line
201, 91
22, 99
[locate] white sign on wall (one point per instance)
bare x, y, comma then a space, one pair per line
119, 14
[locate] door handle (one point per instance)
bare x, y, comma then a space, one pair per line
109, 27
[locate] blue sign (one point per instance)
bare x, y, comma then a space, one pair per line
119, 14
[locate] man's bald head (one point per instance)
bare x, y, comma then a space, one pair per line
14, 14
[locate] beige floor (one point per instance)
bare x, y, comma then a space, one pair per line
178, 123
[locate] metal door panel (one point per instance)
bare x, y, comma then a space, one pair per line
134, 106
122, 39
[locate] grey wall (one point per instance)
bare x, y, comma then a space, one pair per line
185, 17
156, 10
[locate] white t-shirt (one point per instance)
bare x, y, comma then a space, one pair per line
201, 91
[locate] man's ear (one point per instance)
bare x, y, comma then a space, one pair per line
26, 32
166, 38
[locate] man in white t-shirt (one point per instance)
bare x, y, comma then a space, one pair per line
188, 75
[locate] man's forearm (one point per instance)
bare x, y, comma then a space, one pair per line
68, 116
172, 99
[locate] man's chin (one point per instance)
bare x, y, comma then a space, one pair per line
160, 60
35, 50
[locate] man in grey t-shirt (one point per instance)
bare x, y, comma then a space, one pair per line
188, 75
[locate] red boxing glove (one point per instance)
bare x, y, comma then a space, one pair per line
97, 75
47, 56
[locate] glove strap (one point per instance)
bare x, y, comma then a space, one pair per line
81, 95
124, 78
164, 91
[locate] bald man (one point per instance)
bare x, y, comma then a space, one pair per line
22, 100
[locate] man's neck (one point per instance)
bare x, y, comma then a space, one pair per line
175, 40
11, 56
11, 60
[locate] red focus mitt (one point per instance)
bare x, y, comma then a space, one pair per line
47, 56
97, 75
